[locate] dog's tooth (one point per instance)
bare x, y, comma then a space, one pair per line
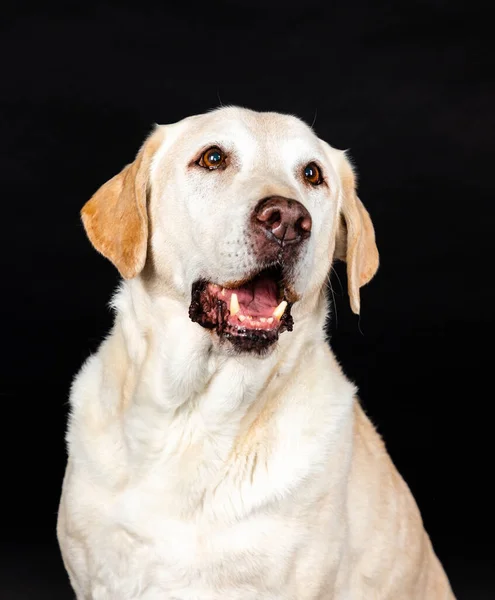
262, 319
270, 320
279, 311
241, 318
234, 305
223, 292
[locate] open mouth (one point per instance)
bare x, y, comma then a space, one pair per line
251, 315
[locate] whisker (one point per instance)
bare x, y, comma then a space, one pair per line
219, 99
340, 282
314, 118
335, 305
359, 325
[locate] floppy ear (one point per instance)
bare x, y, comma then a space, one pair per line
116, 217
355, 237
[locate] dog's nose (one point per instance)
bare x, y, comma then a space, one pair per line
286, 220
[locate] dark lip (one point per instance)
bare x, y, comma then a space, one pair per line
257, 342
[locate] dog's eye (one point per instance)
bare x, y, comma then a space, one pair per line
312, 174
213, 158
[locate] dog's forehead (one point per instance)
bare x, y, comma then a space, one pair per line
248, 131
258, 125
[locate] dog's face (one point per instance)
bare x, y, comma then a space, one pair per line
241, 214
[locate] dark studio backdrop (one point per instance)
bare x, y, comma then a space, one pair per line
405, 86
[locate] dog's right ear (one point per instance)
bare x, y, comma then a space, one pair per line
355, 239
116, 217
355, 236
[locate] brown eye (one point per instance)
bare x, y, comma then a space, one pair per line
212, 159
312, 174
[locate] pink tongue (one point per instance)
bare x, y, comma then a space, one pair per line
258, 298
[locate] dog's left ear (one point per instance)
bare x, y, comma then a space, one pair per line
355, 237
116, 217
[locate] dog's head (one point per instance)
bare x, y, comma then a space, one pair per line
240, 215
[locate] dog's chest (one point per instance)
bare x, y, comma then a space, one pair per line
189, 515
198, 556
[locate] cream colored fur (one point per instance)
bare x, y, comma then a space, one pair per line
198, 474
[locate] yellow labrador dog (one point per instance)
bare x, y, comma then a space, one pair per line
216, 450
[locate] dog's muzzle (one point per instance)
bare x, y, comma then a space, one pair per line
252, 311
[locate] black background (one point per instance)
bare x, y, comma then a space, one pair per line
407, 87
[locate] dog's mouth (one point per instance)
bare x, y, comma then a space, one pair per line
250, 315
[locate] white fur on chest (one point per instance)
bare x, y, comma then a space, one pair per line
171, 537
198, 557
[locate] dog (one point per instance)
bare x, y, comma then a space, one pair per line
215, 448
